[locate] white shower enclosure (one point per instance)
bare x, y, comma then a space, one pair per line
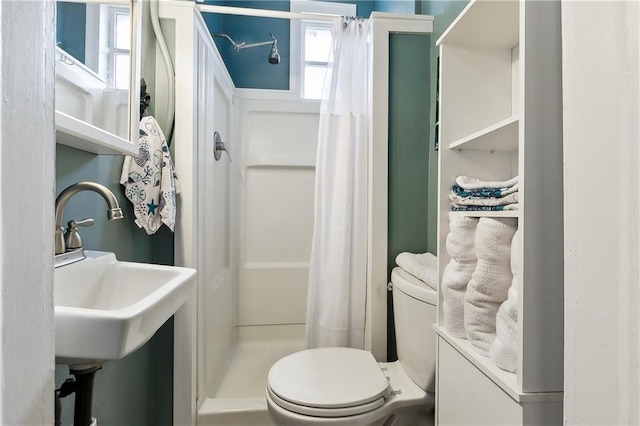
245, 221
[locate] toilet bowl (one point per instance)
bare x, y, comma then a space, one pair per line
346, 386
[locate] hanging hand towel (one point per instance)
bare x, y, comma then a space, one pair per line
150, 181
423, 266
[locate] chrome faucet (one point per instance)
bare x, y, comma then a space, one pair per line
114, 212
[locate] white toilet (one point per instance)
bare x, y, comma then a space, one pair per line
345, 386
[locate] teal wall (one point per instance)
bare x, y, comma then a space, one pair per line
409, 95
249, 68
409, 128
70, 28
136, 390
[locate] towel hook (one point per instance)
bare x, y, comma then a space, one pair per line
219, 146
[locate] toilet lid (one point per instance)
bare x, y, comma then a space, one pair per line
329, 378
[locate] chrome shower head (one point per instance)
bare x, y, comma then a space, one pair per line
274, 56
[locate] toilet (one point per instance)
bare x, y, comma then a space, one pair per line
346, 386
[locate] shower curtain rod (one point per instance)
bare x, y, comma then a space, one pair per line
264, 13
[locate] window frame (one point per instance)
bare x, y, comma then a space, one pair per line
298, 63
100, 50
112, 50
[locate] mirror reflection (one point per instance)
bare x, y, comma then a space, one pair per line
93, 45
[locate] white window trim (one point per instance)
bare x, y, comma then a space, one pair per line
99, 49
296, 47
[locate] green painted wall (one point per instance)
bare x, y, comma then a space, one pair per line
136, 390
409, 89
409, 94
444, 12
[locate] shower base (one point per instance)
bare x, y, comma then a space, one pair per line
239, 399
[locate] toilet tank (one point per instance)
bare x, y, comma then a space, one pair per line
414, 310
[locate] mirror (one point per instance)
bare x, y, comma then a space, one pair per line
97, 63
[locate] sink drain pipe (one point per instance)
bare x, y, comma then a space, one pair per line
82, 386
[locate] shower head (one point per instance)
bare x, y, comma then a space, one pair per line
274, 56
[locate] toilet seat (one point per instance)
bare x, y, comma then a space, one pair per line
328, 382
325, 412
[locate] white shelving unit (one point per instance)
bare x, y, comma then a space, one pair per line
81, 135
501, 116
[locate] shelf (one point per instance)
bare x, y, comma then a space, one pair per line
502, 213
485, 23
508, 382
281, 162
501, 136
81, 135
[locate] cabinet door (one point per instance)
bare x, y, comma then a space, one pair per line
97, 72
467, 397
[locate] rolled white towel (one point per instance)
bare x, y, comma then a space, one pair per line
493, 240
455, 278
490, 281
504, 349
460, 240
423, 266
456, 275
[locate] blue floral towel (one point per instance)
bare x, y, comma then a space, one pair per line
149, 179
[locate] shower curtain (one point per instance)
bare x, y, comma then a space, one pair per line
337, 273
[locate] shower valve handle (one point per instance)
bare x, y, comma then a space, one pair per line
219, 146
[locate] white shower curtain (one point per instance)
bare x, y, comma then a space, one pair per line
337, 274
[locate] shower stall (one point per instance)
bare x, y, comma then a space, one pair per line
246, 218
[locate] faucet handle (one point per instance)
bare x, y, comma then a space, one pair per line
84, 222
72, 238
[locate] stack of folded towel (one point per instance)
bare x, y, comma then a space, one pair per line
471, 194
490, 281
423, 266
457, 273
504, 349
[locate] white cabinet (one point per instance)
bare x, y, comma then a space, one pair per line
501, 116
91, 114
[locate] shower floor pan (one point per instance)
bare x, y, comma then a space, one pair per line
240, 400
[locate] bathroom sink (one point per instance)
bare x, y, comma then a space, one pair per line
105, 309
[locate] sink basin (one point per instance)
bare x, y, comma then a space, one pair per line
105, 309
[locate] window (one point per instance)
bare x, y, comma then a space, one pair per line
108, 48
119, 45
311, 43
316, 48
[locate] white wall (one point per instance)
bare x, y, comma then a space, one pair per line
602, 212
26, 219
217, 301
277, 140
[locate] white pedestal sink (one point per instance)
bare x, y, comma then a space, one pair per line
105, 309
